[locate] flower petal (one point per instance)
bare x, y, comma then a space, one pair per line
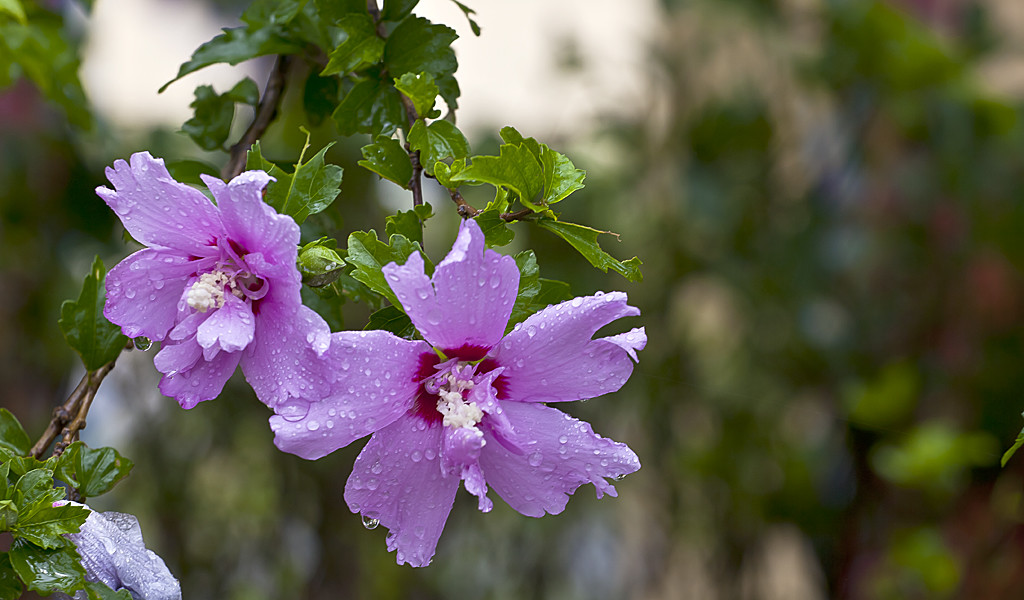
469, 299
251, 222
177, 357
397, 481
143, 292
561, 454
283, 361
231, 326
157, 210
203, 381
377, 384
551, 356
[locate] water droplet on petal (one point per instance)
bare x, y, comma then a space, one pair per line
535, 459
370, 523
495, 281
143, 343
563, 440
293, 409
416, 456
312, 426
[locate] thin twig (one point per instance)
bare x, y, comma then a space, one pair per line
265, 114
69, 418
416, 183
467, 211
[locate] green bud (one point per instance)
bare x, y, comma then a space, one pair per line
319, 263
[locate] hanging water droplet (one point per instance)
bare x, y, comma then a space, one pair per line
370, 523
293, 409
619, 477
142, 343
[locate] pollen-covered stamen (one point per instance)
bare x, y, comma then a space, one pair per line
451, 387
208, 292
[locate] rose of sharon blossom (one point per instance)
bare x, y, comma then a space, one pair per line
218, 285
478, 414
114, 553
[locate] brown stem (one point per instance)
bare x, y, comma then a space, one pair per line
466, 211
265, 113
69, 418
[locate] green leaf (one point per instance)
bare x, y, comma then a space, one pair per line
496, 231
421, 90
14, 9
369, 255
245, 92
552, 292
46, 525
210, 126
516, 169
320, 263
561, 177
396, 10
333, 11
584, 239
406, 223
45, 570
529, 287
359, 48
271, 12
392, 319
188, 171
444, 173
35, 487
92, 471
319, 97
98, 591
469, 12
437, 141
310, 189
97, 340
10, 584
371, 106
237, 45
13, 435
1013, 449
417, 46
20, 465
386, 157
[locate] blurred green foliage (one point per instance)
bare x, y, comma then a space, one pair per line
826, 197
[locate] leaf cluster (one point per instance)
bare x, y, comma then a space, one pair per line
32, 512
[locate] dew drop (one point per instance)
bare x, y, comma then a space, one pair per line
129, 293
293, 410
495, 281
370, 523
577, 302
434, 317
535, 459
619, 477
563, 440
143, 343
376, 468
423, 293
416, 456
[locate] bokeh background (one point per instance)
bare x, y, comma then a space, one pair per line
827, 198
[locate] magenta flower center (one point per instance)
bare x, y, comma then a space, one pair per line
451, 386
230, 274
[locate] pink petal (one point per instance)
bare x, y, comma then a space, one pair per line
470, 297
561, 454
397, 481
204, 381
251, 222
551, 357
283, 360
230, 327
174, 358
157, 210
142, 296
377, 384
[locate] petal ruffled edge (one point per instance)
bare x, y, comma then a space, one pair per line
396, 481
551, 357
560, 454
156, 209
468, 300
